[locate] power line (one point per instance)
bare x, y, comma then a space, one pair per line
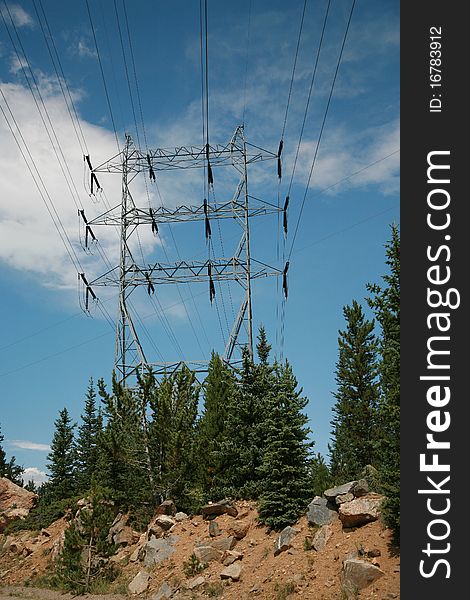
57, 148
312, 82
293, 69
322, 126
102, 75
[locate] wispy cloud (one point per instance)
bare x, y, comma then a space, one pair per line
28, 445
18, 15
85, 50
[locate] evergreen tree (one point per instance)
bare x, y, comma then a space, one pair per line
172, 436
62, 459
354, 427
284, 469
319, 474
122, 467
219, 390
82, 562
9, 468
87, 440
385, 301
244, 441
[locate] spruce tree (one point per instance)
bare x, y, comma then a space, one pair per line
122, 466
83, 560
87, 440
219, 390
385, 302
9, 468
284, 469
354, 423
319, 474
172, 436
243, 443
62, 459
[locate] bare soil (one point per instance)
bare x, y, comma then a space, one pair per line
298, 572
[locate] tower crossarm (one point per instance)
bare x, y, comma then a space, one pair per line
220, 269
222, 210
186, 157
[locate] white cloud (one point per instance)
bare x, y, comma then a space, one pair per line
27, 445
85, 50
29, 240
34, 474
18, 15
345, 152
17, 64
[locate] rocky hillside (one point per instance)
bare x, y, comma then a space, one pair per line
338, 550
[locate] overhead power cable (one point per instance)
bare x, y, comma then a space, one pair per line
322, 126
102, 75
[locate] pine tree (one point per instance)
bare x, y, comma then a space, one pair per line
219, 390
83, 560
354, 425
385, 301
172, 436
87, 440
62, 459
319, 474
284, 469
242, 445
9, 469
122, 466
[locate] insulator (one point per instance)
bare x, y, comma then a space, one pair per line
279, 165
151, 171
150, 286
207, 222
210, 179
286, 204
284, 280
154, 223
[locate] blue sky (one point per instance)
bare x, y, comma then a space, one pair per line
49, 348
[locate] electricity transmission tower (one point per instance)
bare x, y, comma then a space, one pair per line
127, 216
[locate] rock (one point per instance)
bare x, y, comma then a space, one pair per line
224, 544
361, 488
321, 537
207, 554
361, 510
358, 574
15, 502
195, 582
230, 556
339, 490
164, 591
118, 525
356, 488
214, 528
284, 540
126, 537
166, 508
57, 546
155, 531
239, 529
224, 507
140, 583
165, 522
157, 550
320, 512
342, 498
232, 572
134, 557
181, 516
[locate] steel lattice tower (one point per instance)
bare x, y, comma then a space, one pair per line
128, 275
